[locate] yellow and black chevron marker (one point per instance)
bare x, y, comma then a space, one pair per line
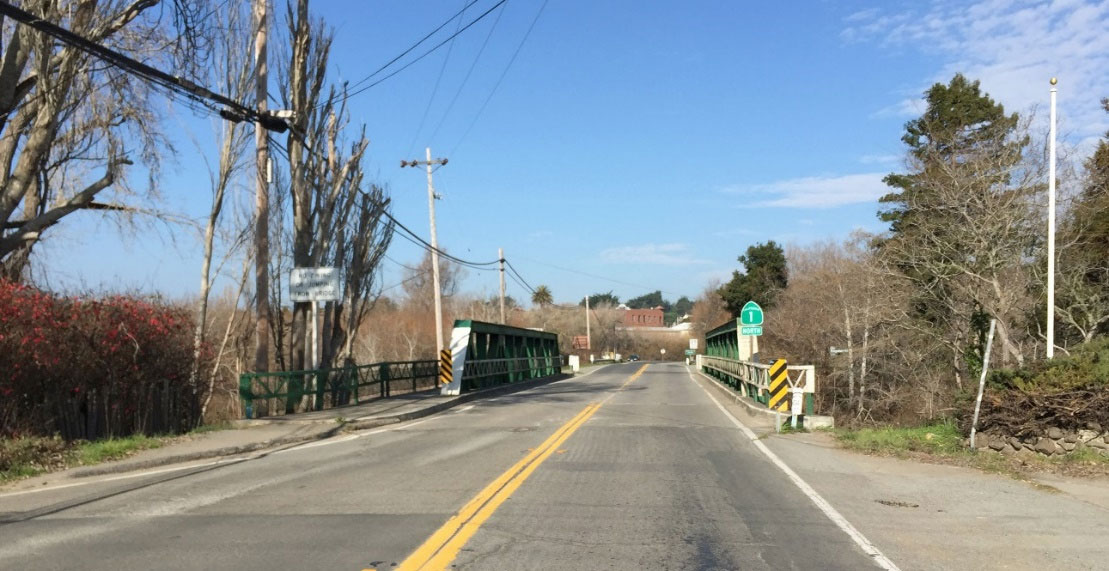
446, 367
779, 386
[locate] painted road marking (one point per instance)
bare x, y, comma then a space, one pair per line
833, 514
439, 550
177, 468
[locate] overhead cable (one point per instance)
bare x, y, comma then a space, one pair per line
499, 80
469, 72
233, 110
421, 56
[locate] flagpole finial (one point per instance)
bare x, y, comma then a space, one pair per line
1054, 81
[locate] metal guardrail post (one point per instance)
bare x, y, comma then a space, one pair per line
383, 379
320, 379
352, 382
246, 395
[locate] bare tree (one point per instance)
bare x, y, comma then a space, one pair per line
232, 74
337, 216
67, 118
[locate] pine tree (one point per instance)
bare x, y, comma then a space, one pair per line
765, 275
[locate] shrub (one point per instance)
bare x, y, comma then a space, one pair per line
90, 368
1069, 392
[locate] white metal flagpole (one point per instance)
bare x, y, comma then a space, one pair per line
1051, 233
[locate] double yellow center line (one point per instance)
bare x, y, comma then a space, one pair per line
443, 545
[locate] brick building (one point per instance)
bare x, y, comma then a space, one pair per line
643, 317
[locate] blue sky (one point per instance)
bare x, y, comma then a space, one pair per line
645, 142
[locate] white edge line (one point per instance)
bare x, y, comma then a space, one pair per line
834, 515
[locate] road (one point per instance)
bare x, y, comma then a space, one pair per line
630, 467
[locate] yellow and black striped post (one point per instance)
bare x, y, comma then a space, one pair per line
446, 367
779, 386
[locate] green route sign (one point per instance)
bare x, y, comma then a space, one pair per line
750, 330
751, 314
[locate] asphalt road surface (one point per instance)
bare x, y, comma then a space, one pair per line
633, 466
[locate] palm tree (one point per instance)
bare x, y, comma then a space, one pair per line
542, 296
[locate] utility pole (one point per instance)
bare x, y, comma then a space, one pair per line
588, 339
261, 198
500, 258
1051, 234
431, 196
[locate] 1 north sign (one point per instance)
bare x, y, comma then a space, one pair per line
751, 314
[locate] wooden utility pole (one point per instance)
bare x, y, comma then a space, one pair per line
500, 258
588, 339
261, 198
434, 246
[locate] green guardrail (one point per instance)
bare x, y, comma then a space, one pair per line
271, 394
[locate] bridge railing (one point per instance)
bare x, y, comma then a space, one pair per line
271, 394
479, 374
753, 379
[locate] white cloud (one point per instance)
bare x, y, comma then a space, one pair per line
816, 191
883, 159
907, 107
732, 232
657, 254
1013, 47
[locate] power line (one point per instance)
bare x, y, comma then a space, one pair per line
434, 91
407, 233
513, 269
587, 274
350, 94
234, 110
466, 79
499, 80
415, 45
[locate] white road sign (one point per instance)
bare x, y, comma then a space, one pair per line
798, 404
314, 284
693, 344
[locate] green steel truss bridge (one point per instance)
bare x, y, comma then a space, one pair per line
482, 355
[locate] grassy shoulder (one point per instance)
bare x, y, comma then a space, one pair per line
31, 456
943, 443
26, 457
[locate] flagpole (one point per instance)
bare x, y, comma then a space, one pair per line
1051, 233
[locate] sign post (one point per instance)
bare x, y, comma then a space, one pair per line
750, 321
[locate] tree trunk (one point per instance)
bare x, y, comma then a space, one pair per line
850, 355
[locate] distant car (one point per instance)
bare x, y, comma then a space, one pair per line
633, 357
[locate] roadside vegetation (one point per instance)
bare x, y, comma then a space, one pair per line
30, 456
944, 443
897, 322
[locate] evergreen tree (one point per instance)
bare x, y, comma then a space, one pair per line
648, 301
542, 296
960, 121
598, 299
960, 219
765, 275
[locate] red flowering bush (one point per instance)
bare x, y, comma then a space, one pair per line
90, 368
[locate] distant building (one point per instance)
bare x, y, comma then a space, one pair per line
643, 318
